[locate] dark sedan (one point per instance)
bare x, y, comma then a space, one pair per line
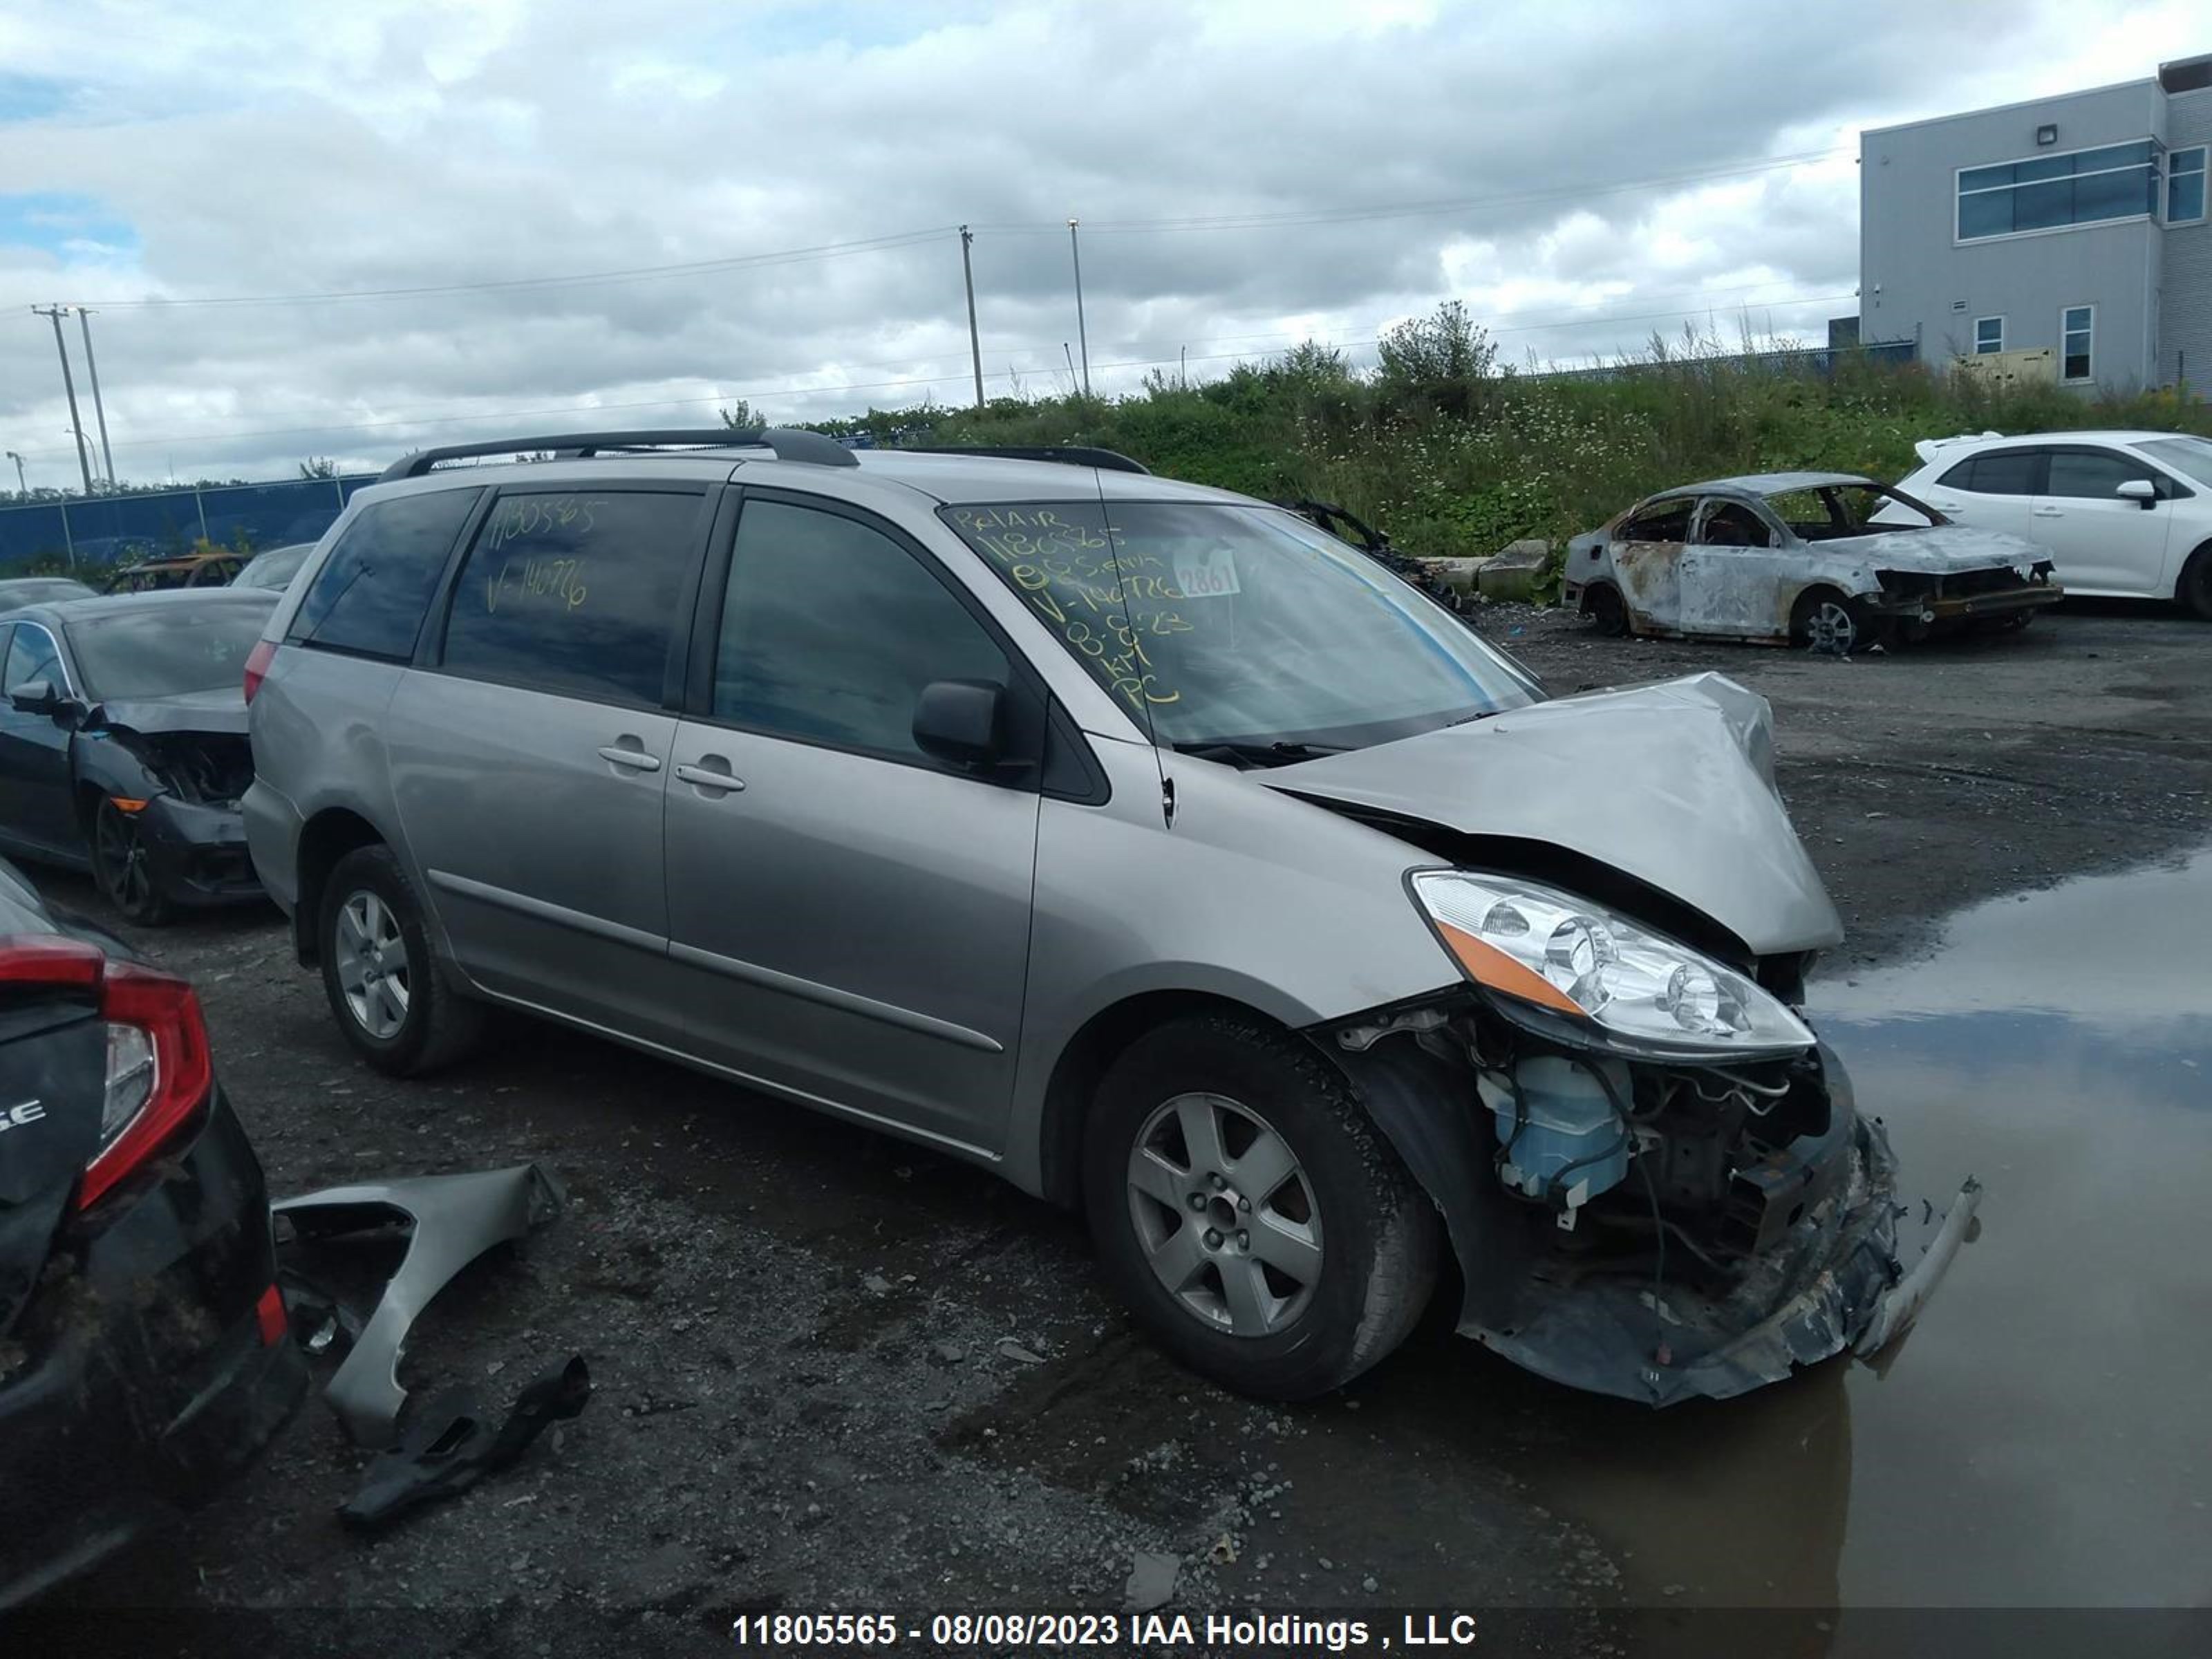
144, 1358
122, 746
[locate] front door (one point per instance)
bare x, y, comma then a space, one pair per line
1647, 564
529, 746
38, 815
852, 916
2101, 541
1732, 573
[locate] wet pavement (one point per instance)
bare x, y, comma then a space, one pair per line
2041, 1440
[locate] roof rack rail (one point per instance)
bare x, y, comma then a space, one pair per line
1106, 460
788, 444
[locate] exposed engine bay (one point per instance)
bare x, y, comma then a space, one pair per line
1644, 1229
209, 768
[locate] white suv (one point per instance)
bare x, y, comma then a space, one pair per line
2126, 514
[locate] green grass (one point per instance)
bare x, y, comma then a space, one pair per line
1453, 455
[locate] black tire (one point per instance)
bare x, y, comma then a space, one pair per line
1601, 604
2011, 623
1378, 1233
440, 1024
2195, 588
124, 868
1830, 623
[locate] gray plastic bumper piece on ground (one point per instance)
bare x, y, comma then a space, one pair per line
451, 1220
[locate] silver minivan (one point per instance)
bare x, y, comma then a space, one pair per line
1139, 841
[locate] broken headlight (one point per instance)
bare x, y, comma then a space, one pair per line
1583, 973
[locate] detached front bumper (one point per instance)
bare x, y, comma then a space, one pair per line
1847, 1270
199, 852
134, 1386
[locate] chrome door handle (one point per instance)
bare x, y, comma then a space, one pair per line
706, 777
2047, 512
636, 759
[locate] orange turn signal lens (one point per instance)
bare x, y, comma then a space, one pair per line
124, 804
1486, 964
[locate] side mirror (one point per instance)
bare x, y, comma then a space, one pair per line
2138, 489
961, 722
34, 697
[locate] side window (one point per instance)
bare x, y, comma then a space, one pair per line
1731, 524
830, 630
578, 591
31, 656
370, 594
1666, 521
1999, 472
2091, 474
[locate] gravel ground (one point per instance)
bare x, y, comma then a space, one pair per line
835, 1371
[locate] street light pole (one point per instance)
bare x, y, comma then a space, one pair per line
22, 488
53, 314
975, 340
98, 410
1075, 252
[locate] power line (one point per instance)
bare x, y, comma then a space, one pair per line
1294, 216
635, 274
791, 391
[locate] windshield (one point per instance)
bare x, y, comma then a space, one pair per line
158, 652
1238, 625
2191, 457
275, 568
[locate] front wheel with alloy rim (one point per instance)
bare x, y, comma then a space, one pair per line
123, 867
393, 999
1250, 1212
2195, 588
1831, 624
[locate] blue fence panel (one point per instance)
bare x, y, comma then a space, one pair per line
269, 515
32, 535
359, 481
124, 529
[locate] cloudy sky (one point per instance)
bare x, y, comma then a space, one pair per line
345, 231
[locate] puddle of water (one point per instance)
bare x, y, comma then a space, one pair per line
2041, 1439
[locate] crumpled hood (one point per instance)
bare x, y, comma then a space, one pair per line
1672, 784
1939, 550
221, 710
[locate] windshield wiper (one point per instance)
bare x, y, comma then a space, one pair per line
1259, 754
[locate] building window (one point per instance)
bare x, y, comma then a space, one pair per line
2077, 327
2185, 187
1989, 335
2050, 192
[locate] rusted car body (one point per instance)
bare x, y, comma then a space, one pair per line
1795, 557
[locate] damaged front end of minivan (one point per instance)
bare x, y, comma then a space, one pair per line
1654, 1175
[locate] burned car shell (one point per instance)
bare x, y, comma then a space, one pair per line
1684, 584
186, 756
143, 1358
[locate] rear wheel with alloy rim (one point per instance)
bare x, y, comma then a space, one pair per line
124, 866
394, 1000
1250, 1212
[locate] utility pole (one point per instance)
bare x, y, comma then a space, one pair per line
54, 315
1081, 335
975, 340
22, 488
98, 410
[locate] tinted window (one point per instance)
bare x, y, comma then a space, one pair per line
2002, 472
2090, 473
161, 650
1669, 521
31, 656
577, 592
371, 593
831, 631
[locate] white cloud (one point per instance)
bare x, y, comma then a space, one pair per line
385, 145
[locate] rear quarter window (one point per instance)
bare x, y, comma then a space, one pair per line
371, 594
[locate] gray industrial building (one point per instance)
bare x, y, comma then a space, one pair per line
2061, 239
